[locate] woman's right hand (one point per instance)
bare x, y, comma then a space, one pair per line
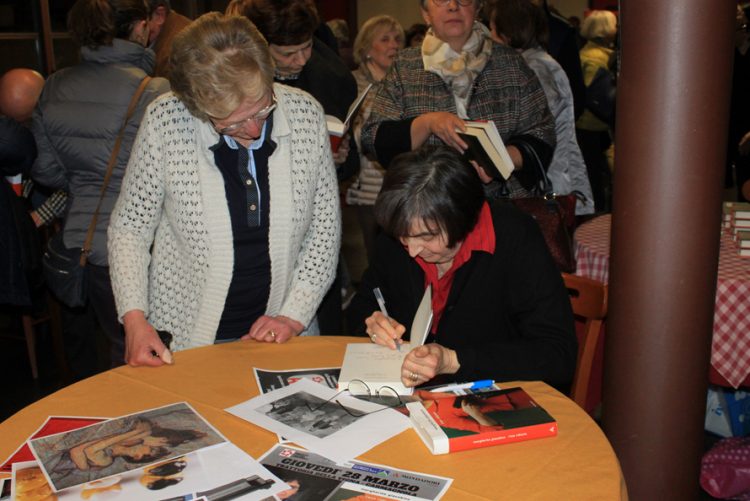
443, 125
384, 330
142, 341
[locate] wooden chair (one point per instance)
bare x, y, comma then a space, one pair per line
589, 301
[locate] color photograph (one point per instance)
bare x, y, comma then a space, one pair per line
122, 444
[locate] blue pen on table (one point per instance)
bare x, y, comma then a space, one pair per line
475, 385
381, 303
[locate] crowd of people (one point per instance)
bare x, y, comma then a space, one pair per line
221, 220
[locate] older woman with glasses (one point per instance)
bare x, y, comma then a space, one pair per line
460, 74
228, 224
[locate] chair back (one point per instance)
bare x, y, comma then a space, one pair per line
588, 299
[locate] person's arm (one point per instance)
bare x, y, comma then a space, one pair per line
315, 264
48, 169
387, 132
545, 347
17, 148
52, 208
131, 233
535, 127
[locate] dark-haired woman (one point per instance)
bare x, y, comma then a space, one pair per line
500, 310
75, 125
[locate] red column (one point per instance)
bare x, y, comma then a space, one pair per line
673, 103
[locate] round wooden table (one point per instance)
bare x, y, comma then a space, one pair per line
577, 464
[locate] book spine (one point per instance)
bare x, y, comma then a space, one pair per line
503, 437
428, 430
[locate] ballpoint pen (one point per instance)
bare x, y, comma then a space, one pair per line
475, 385
381, 303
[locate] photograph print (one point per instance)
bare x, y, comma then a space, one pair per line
310, 414
122, 444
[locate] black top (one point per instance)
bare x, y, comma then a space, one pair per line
251, 276
508, 315
329, 81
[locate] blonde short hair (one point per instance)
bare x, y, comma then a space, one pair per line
217, 62
599, 25
369, 31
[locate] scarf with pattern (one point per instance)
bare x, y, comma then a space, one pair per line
458, 70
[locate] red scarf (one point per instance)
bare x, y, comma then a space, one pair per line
480, 238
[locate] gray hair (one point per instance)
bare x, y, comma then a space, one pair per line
217, 62
599, 25
368, 31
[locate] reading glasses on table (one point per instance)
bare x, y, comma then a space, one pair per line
385, 396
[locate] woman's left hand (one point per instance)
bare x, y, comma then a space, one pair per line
342, 153
425, 362
277, 329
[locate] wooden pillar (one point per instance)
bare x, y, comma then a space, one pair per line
673, 103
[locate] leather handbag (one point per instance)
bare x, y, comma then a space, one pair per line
555, 214
64, 268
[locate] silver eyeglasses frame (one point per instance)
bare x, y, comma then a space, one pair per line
378, 398
258, 117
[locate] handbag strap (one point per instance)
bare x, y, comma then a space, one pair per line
110, 168
544, 185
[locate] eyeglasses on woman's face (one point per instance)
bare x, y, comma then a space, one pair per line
258, 117
442, 3
386, 396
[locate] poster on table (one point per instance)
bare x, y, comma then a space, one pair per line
312, 476
323, 420
223, 472
269, 380
122, 444
51, 426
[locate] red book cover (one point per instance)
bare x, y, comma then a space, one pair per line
450, 423
53, 425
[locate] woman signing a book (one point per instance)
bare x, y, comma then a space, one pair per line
500, 309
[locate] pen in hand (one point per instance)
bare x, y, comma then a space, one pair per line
381, 303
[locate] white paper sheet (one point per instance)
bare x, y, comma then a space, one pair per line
296, 413
224, 466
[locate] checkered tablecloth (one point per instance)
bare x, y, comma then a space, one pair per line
730, 348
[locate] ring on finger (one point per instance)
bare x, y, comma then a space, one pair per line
273, 335
374, 338
414, 376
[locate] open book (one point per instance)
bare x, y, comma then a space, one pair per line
487, 149
378, 365
337, 128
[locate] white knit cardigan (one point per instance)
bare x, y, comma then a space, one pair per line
173, 195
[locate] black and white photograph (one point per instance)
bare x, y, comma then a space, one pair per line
311, 414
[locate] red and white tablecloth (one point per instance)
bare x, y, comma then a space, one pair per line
730, 348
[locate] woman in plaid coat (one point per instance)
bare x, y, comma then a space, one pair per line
460, 74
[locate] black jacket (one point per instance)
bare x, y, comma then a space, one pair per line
19, 245
508, 315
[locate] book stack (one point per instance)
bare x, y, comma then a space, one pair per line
737, 222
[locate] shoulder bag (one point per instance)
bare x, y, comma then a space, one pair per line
555, 214
64, 268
